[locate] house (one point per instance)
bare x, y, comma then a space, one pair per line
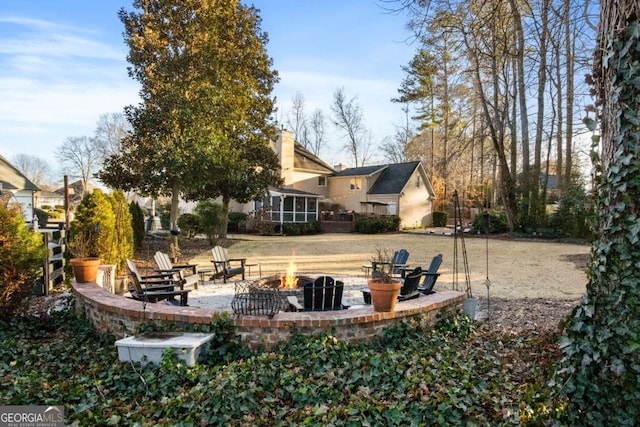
312, 186
401, 189
22, 190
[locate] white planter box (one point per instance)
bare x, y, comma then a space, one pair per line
150, 346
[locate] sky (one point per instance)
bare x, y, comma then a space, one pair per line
63, 64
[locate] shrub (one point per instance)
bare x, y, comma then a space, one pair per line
22, 253
164, 212
300, 228
212, 218
440, 219
137, 223
574, 213
122, 245
376, 224
94, 218
497, 223
190, 224
236, 219
43, 217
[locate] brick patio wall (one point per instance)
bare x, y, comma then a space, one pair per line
122, 316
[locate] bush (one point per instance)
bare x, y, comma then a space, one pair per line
190, 224
43, 217
300, 228
22, 253
122, 246
236, 219
95, 219
497, 223
212, 219
137, 223
574, 213
440, 219
376, 224
164, 212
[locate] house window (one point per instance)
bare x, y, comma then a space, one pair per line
417, 181
322, 181
355, 184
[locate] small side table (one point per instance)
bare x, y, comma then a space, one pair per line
367, 270
255, 264
202, 272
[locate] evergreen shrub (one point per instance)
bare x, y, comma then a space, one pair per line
21, 255
440, 219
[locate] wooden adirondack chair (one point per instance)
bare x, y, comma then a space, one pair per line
166, 266
323, 294
223, 264
155, 287
409, 289
431, 276
399, 262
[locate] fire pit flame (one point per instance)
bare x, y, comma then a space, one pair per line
289, 281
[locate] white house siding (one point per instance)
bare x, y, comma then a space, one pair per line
24, 198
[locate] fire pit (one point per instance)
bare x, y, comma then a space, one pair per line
268, 295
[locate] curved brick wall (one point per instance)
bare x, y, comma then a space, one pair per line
121, 316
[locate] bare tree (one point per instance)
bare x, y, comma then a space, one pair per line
348, 118
396, 149
81, 156
110, 130
297, 120
317, 131
35, 169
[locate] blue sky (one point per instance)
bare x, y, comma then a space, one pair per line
63, 64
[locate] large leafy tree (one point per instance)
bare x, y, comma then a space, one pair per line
203, 126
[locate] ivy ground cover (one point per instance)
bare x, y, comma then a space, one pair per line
456, 374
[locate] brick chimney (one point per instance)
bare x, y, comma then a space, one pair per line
285, 150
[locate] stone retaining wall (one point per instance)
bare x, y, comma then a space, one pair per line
122, 316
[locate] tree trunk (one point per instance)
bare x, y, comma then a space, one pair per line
598, 372
173, 219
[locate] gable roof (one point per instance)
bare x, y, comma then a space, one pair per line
306, 160
11, 178
394, 178
361, 171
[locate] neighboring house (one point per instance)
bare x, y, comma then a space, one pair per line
22, 190
401, 189
49, 198
76, 191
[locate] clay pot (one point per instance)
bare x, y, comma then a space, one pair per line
85, 270
384, 295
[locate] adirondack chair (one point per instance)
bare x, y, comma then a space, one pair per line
399, 261
223, 264
323, 294
431, 276
155, 287
166, 266
409, 289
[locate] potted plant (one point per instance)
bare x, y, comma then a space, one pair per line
84, 260
383, 287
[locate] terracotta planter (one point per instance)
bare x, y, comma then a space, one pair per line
384, 295
85, 270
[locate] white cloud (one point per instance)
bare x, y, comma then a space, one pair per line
56, 81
